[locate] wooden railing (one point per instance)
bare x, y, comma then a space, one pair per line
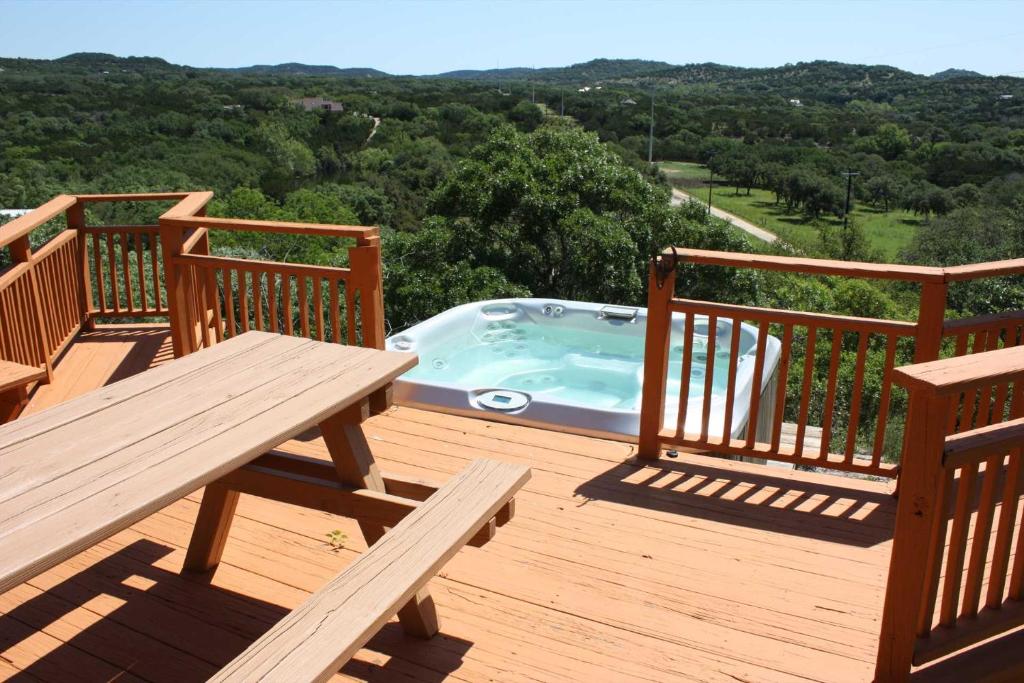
840, 355
42, 298
165, 272
956, 576
213, 298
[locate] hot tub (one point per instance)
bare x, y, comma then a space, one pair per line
567, 365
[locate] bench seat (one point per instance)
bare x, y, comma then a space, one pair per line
318, 637
15, 375
14, 379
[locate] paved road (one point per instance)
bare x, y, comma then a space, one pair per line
678, 197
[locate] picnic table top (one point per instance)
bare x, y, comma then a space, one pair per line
75, 474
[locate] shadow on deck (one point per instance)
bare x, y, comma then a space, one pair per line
140, 605
810, 506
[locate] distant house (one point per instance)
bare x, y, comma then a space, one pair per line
319, 103
796, 103
233, 107
1006, 97
629, 100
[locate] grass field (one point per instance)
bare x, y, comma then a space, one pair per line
889, 233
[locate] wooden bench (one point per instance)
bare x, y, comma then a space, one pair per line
14, 381
77, 473
312, 642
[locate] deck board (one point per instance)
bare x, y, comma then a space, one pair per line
693, 568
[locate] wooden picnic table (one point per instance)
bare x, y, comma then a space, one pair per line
77, 473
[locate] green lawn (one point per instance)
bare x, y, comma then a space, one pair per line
889, 233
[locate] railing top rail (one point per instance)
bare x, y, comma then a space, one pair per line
191, 203
954, 375
981, 443
353, 231
809, 266
979, 270
980, 322
257, 266
134, 197
21, 226
783, 316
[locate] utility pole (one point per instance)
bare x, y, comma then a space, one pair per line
850, 175
711, 186
650, 137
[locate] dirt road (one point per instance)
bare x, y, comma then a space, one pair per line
678, 197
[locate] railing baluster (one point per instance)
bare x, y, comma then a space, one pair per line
200, 278
957, 545
805, 395
140, 261
883, 403
831, 388
303, 306
755, 385
1016, 591
243, 300
855, 397
272, 300
335, 331
257, 297
709, 376
318, 306
982, 535
101, 291
780, 389
112, 264
1007, 517
129, 299
214, 303
685, 372
286, 302
982, 417
154, 245
936, 546
730, 387
350, 315
971, 410
229, 303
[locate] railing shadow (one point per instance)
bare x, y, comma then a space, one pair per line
125, 616
999, 659
778, 503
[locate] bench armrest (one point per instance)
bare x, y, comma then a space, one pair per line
315, 639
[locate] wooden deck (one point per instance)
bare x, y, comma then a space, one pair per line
694, 569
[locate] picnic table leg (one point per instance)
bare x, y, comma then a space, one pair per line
210, 532
343, 435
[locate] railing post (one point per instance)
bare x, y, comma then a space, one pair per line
931, 317
365, 262
76, 221
171, 241
660, 290
916, 512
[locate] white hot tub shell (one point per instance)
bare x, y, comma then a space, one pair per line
570, 366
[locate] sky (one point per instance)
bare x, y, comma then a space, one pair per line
401, 37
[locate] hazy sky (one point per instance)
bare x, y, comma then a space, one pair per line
431, 37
